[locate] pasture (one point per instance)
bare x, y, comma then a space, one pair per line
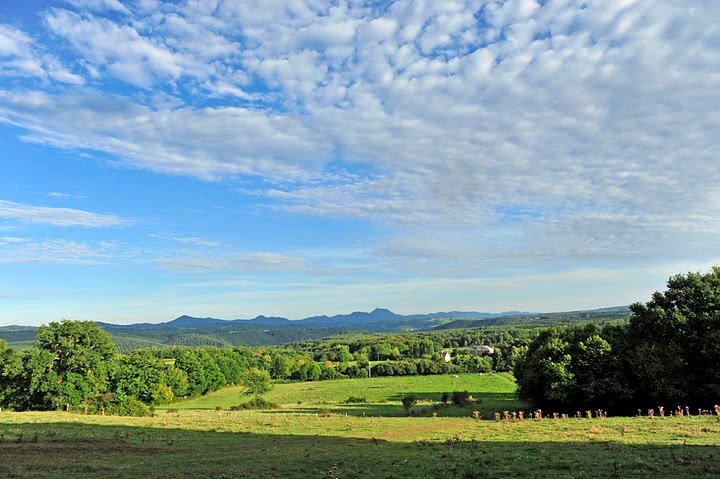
322, 437
494, 393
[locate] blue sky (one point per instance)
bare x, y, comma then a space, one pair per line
293, 158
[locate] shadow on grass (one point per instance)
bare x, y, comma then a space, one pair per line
486, 404
74, 450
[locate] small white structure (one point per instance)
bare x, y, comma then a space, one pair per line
482, 350
486, 349
445, 356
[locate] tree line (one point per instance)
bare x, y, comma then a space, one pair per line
74, 365
509, 343
667, 355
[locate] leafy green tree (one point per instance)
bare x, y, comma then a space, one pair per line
674, 343
256, 382
545, 375
10, 368
177, 381
362, 361
668, 354
140, 374
308, 371
282, 366
341, 353
71, 362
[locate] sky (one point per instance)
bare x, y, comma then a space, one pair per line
286, 157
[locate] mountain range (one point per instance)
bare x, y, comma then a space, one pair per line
357, 320
270, 330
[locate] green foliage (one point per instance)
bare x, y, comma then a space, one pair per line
543, 320
674, 340
10, 369
177, 380
460, 398
409, 402
140, 374
256, 382
473, 364
71, 362
423, 349
355, 400
255, 403
667, 354
114, 405
421, 367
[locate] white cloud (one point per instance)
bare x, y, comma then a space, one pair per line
206, 143
583, 129
20, 57
59, 251
188, 240
57, 216
120, 48
99, 5
64, 196
257, 262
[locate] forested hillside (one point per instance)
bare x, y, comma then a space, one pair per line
264, 331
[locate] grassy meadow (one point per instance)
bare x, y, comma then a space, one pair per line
494, 392
321, 437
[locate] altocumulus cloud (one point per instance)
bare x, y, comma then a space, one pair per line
584, 127
57, 216
60, 251
254, 262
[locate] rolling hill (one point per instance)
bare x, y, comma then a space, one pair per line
264, 330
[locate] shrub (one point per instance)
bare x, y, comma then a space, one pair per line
255, 403
445, 397
132, 407
460, 398
408, 402
114, 405
355, 399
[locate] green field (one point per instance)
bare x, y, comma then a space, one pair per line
315, 435
494, 392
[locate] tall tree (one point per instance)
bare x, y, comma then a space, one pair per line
10, 367
674, 342
71, 362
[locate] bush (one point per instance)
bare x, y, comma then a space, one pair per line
113, 405
131, 407
408, 402
355, 399
445, 398
460, 398
255, 403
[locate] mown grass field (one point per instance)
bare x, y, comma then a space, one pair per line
316, 439
494, 392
